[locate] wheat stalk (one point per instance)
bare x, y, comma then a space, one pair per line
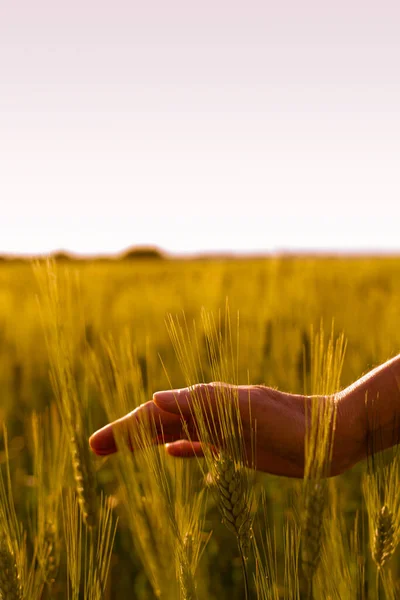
99, 552
117, 377
73, 536
326, 367
264, 546
50, 455
381, 493
312, 530
159, 494
191, 541
15, 578
186, 575
58, 299
19, 578
291, 548
341, 573
218, 424
88, 550
85, 481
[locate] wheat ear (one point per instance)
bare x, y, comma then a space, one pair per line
10, 584
85, 481
233, 500
312, 531
51, 552
383, 545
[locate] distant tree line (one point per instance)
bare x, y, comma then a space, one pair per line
133, 253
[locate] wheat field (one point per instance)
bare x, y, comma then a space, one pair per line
82, 343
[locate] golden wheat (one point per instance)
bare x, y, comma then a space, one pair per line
218, 423
85, 481
233, 500
159, 494
31, 373
51, 552
59, 300
10, 582
186, 575
312, 530
326, 367
381, 493
99, 547
50, 454
384, 542
264, 546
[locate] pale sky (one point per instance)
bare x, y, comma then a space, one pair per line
193, 126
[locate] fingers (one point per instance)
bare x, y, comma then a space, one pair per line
182, 401
188, 402
170, 410
168, 429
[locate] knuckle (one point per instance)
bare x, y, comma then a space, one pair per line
203, 388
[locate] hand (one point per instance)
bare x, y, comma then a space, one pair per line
280, 418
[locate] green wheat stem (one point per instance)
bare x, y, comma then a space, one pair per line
245, 573
378, 584
310, 593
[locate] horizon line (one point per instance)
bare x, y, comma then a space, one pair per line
158, 252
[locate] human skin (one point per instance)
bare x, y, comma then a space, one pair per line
368, 409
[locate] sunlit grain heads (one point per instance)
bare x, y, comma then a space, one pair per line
85, 481
10, 583
326, 362
384, 537
381, 493
312, 530
51, 552
234, 502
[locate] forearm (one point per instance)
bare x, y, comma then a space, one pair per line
370, 408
